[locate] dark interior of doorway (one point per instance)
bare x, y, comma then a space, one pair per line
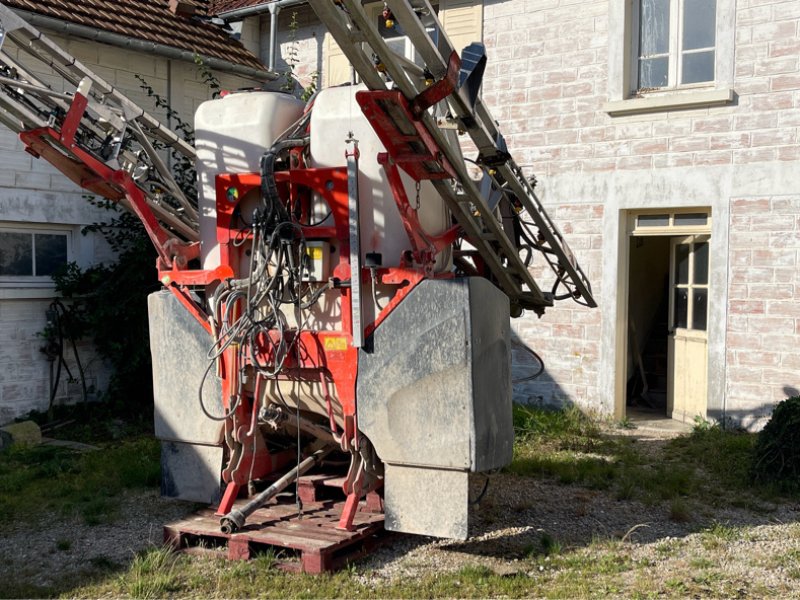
648, 315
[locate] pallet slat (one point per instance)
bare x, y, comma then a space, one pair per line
320, 545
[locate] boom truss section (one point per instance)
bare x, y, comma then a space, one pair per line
96, 136
400, 106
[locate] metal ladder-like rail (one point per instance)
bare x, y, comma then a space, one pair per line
361, 42
112, 129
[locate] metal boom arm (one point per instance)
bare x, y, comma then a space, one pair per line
360, 40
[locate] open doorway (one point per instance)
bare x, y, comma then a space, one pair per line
648, 327
666, 322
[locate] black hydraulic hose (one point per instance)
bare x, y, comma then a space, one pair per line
535, 356
60, 358
60, 311
75, 354
269, 189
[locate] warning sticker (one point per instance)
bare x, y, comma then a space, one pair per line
315, 252
334, 343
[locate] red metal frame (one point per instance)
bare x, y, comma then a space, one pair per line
326, 356
403, 148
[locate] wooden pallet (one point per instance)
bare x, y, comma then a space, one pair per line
312, 538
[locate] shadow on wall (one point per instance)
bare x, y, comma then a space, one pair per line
752, 419
528, 387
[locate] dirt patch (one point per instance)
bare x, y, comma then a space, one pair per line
56, 548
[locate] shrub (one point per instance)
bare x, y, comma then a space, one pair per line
776, 457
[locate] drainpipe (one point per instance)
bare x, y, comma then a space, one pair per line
115, 39
274, 9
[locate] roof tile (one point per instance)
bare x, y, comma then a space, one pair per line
149, 20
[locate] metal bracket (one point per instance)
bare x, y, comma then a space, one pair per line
355, 245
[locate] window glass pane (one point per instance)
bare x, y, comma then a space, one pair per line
51, 253
653, 220
653, 27
699, 309
397, 45
698, 67
653, 72
680, 308
16, 253
682, 264
699, 24
701, 263
691, 219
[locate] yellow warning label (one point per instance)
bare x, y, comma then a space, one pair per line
315, 252
335, 343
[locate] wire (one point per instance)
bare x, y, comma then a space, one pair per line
224, 416
538, 358
483, 491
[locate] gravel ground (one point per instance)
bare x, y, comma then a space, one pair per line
757, 551
56, 548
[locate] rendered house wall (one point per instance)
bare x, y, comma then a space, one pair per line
32, 193
548, 84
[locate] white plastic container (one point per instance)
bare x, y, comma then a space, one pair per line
335, 114
231, 134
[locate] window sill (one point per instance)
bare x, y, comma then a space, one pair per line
669, 101
7, 292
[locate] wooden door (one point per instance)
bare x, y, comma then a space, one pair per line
688, 328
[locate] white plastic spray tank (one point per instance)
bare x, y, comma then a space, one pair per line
334, 116
231, 134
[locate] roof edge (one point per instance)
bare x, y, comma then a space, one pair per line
116, 39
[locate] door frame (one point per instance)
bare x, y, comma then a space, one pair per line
630, 227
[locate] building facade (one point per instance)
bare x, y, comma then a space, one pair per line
664, 136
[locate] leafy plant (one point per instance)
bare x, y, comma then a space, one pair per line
109, 302
109, 305
776, 456
290, 81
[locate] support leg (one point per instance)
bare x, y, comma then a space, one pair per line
226, 504
349, 511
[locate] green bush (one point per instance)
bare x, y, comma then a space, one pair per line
776, 457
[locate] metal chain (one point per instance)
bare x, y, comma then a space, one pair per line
417, 185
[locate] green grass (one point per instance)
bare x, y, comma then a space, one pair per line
157, 573
711, 465
707, 467
61, 480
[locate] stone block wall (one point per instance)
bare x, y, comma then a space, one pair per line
547, 83
552, 71
763, 350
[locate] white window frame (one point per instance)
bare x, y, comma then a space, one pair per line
35, 281
674, 51
671, 228
624, 99
690, 286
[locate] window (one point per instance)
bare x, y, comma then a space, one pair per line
682, 221
32, 255
461, 19
690, 286
670, 54
676, 43
398, 42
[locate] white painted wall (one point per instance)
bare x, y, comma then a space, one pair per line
34, 193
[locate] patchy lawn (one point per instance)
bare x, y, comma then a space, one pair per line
585, 510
